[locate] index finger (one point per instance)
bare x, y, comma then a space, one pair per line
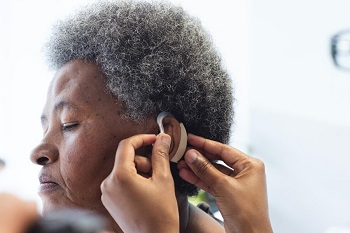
218, 151
126, 149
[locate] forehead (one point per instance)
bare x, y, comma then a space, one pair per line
78, 77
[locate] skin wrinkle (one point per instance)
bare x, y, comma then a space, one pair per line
70, 191
81, 163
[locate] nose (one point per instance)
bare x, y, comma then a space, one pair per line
44, 154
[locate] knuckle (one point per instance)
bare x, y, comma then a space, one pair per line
247, 162
165, 177
118, 178
255, 164
260, 164
162, 153
203, 167
123, 142
104, 186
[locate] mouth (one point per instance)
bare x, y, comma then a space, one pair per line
46, 183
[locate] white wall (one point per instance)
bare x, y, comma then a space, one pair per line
301, 113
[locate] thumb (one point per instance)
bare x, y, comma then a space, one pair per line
204, 170
160, 155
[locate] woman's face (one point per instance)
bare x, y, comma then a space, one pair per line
82, 126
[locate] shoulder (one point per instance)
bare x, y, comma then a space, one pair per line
201, 222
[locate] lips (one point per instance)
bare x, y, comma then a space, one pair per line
47, 183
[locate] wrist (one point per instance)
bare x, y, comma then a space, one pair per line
248, 225
162, 229
160, 226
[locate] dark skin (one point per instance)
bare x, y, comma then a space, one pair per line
239, 188
82, 128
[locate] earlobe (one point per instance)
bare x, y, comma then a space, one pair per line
169, 125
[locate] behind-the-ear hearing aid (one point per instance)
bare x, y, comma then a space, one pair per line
183, 139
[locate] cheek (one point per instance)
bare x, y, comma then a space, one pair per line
87, 162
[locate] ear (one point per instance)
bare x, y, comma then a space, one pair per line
173, 128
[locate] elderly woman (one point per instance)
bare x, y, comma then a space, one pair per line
118, 65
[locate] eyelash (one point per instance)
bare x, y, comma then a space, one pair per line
69, 126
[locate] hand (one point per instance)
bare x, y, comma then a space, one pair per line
138, 203
16, 216
240, 192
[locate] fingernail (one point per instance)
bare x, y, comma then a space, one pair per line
166, 139
191, 156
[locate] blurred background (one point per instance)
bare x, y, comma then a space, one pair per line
292, 109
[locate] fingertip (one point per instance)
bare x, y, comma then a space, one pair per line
190, 136
184, 173
165, 138
195, 140
188, 175
182, 164
191, 156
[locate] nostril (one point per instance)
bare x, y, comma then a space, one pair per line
44, 154
42, 160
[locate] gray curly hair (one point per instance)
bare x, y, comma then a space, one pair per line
155, 58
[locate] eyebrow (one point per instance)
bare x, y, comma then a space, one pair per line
59, 106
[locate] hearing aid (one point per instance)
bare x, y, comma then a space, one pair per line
183, 138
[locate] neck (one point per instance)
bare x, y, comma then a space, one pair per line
184, 211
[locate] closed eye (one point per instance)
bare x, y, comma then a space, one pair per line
69, 126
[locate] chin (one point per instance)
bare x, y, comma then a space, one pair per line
49, 207
52, 204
